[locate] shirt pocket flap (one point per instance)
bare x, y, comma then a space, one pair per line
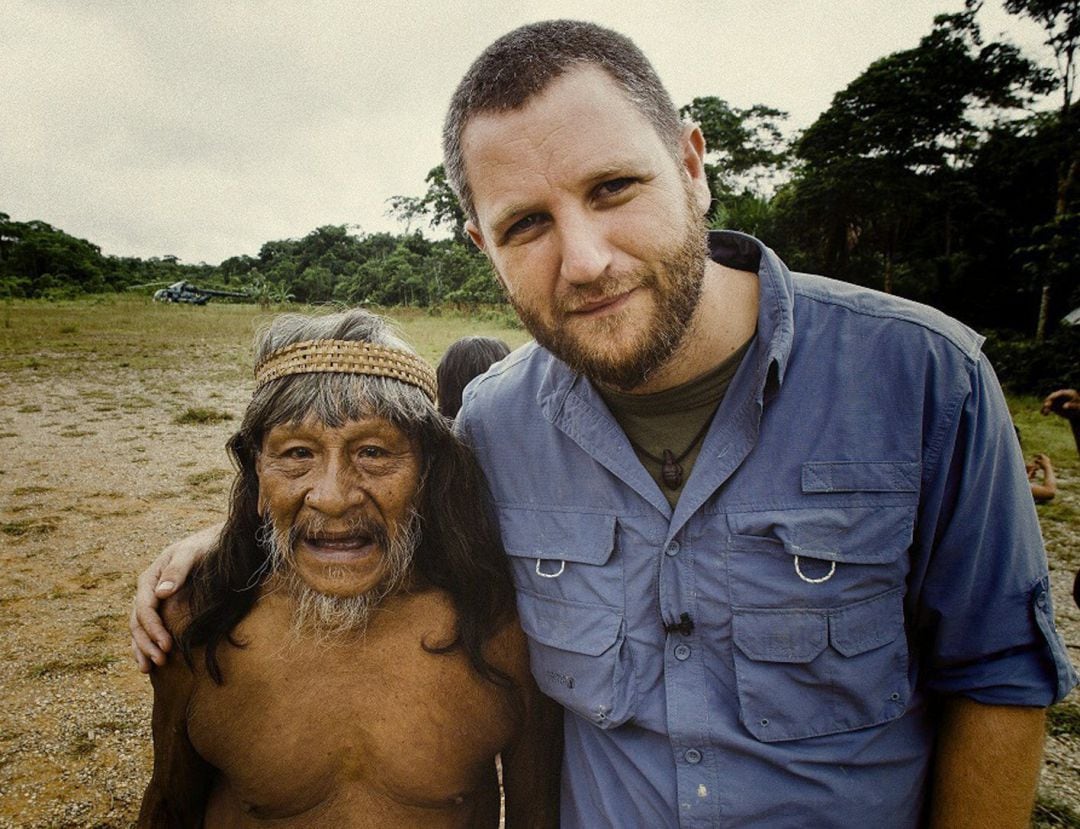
588, 629
842, 534
793, 636
554, 535
860, 476
867, 625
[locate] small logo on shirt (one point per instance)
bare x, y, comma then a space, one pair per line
562, 679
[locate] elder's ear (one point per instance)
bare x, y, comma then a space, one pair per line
263, 502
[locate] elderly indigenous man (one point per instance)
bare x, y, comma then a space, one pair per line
772, 536
351, 652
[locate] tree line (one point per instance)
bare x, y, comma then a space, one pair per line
930, 176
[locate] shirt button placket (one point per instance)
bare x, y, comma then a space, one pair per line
684, 676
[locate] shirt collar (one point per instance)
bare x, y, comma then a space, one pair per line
776, 325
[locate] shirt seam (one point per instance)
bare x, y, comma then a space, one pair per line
970, 352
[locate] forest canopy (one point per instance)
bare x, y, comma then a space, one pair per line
945, 173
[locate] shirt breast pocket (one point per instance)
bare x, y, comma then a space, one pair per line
813, 671
570, 600
817, 589
580, 657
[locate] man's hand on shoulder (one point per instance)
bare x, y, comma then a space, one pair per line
150, 639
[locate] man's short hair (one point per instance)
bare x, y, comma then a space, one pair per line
522, 63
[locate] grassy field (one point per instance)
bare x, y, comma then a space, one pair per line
113, 418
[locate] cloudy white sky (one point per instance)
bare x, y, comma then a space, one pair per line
203, 129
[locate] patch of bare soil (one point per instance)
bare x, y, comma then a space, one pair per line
95, 478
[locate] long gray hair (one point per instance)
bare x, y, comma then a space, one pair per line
458, 550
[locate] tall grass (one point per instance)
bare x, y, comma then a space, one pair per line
133, 332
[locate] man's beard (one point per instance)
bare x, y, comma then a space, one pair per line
326, 616
677, 292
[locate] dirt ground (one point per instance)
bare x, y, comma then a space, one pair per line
96, 476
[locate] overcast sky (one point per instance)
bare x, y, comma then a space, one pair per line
203, 129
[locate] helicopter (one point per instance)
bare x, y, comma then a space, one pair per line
184, 291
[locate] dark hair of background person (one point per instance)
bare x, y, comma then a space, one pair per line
465, 359
459, 550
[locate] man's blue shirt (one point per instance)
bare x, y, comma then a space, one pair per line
857, 536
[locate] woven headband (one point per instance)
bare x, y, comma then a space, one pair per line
346, 357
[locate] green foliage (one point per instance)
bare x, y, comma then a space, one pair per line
1051, 813
918, 179
902, 186
746, 152
38, 260
1054, 262
200, 415
438, 205
1026, 367
1061, 21
919, 108
744, 146
1063, 720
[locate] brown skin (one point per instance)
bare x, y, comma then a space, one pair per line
311, 473
367, 731
1066, 404
1041, 475
986, 766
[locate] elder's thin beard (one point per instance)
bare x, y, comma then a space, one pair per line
324, 616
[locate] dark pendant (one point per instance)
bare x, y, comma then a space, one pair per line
671, 472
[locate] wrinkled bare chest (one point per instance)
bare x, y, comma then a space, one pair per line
293, 731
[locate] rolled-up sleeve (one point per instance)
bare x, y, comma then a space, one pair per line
981, 602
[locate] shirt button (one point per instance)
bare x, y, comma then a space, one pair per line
692, 756
672, 549
682, 652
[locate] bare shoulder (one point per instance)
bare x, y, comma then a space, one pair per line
505, 648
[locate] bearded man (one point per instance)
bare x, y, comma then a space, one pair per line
352, 657
772, 537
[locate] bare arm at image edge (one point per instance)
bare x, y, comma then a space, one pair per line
531, 768
1065, 403
177, 792
987, 765
531, 763
150, 641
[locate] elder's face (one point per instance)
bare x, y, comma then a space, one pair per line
342, 495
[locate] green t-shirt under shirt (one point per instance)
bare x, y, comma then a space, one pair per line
675, 419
